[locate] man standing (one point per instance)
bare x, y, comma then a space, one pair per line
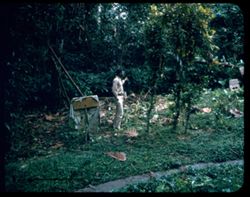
120, 95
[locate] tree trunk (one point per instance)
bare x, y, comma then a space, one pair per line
177, 108
54, 100
188, 113
152, 102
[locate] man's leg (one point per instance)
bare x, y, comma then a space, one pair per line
119, 114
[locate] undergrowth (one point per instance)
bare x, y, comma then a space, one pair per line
48, 155
225, 178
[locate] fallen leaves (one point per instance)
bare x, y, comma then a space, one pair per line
102, 114
121, 156
182, 137
110, 121
162, 104
161, 120
206, 110
154, 119
131, 133
237, 113
49, 117
166, 121
57, 145
55, 117
160, 107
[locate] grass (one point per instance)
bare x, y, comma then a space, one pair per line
51, 156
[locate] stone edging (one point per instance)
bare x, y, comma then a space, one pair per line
120, 183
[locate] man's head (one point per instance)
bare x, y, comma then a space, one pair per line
120, 73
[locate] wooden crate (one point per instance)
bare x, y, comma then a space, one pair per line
77, 112
85, 102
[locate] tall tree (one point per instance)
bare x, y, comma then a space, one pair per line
186, 35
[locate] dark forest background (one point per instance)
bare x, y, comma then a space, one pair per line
93, 40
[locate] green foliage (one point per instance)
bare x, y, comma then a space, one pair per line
229, 35
95, 38
219, 75
139, 79
90, 83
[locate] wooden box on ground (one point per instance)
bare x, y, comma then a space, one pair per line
90, 105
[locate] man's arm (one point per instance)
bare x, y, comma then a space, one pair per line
123, 81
